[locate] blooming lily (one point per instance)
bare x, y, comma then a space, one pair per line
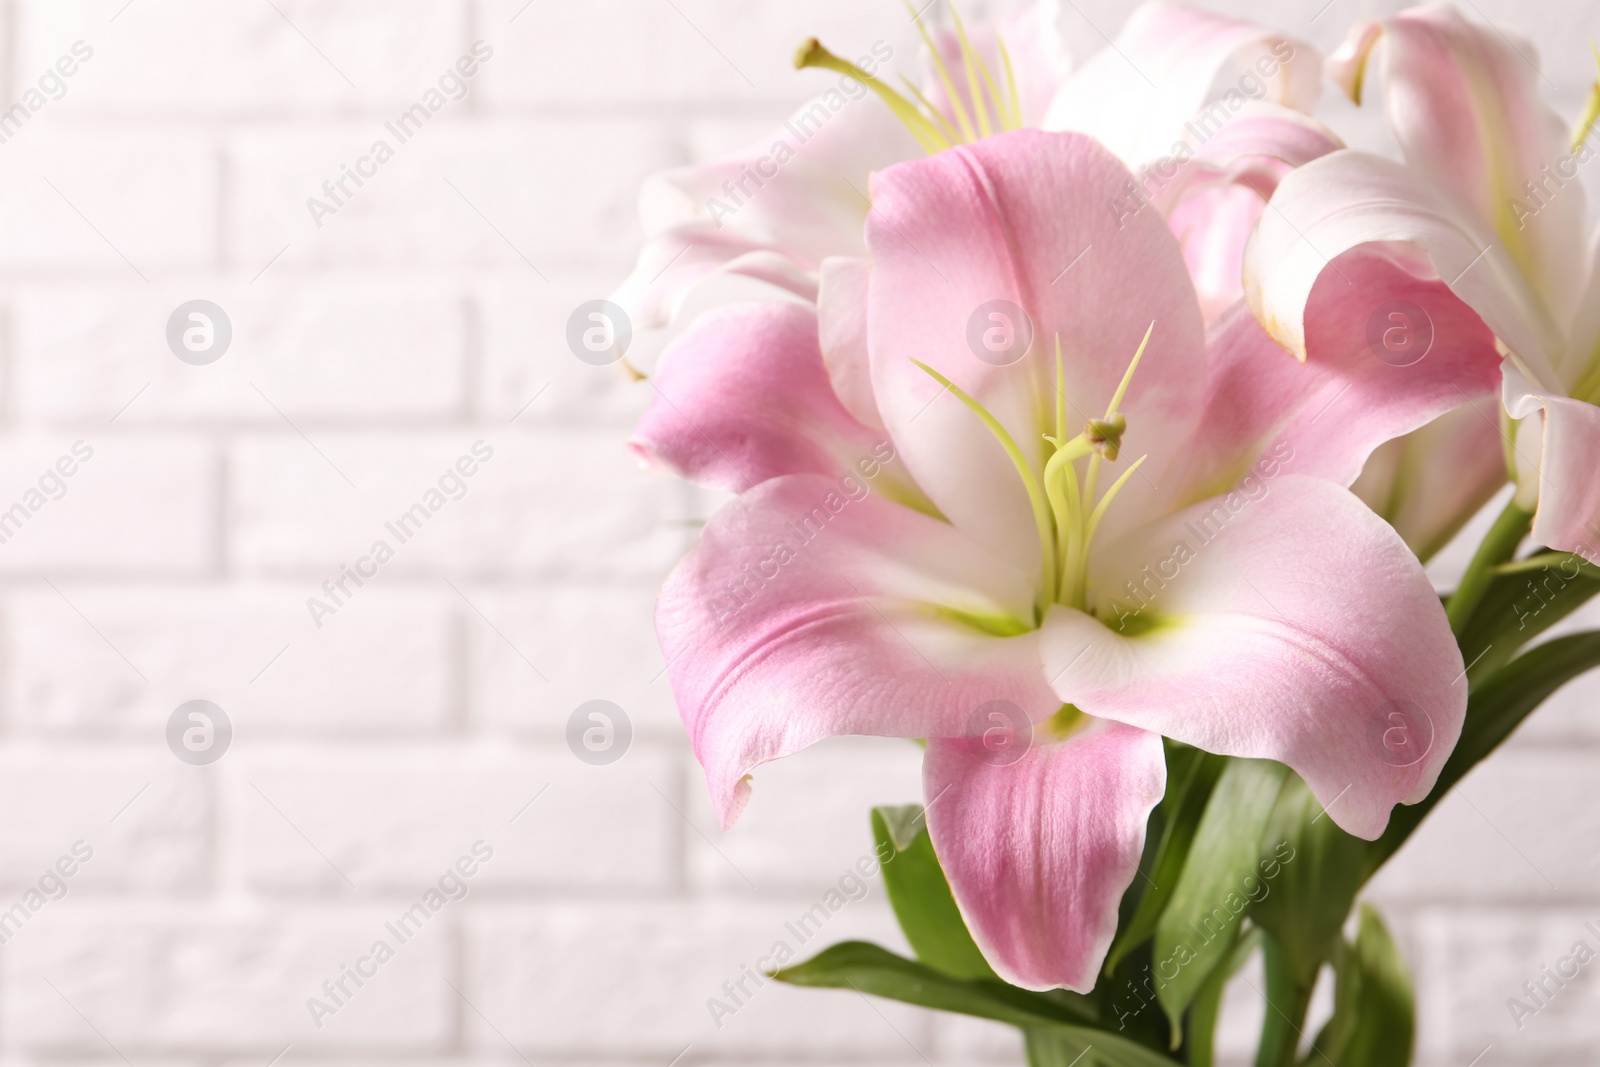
1486, 209
1210, 114
1116, 532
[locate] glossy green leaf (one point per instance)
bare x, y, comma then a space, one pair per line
921, 896
1058, 1047
1518, 607
869, 968
1320, 870
1223, 874
1374, 1011
1191, 776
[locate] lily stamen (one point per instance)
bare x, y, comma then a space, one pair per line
992, 110
1067, 512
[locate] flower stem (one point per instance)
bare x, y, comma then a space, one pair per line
1497, 547
1287, 1004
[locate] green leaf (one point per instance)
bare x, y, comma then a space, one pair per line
1191, 776
869, 968
1518, 607
1374, 1012
1057, 1047
1320, 868
921, 896
1208, 904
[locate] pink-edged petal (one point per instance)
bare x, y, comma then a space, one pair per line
842, 323
1464, 103
1347, 199
773, 211
1428, 483
1175, 69
1021, 218
1568, 516
1040, 851
742, 396
1390, 353
808, 609
1214, 199
1292, 626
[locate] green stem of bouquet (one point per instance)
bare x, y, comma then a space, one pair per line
1287, 1003
1498, 546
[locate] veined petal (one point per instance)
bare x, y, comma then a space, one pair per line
779, 207
1390, 353
1040, 851
1022, 218
742, 396
1568, 517
842, 323
1464, 103
1348, 199
1174, 66
806, 610
1294, 627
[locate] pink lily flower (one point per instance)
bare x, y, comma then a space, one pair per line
1217, 125
1111, 531
1486, 210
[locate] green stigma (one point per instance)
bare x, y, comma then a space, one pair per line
1067, 507
992, 110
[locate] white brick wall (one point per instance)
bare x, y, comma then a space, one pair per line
371, 752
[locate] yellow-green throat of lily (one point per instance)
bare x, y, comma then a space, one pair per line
1066, 509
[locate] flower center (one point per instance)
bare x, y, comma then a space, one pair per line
932, 128
1067, 506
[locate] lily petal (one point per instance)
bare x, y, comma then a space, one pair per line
1568, 516
803, 612
1391, 353
1214, 200
1021, 217
1040, 851
1293, 627
1173, 65
742, 396
842, 322
1348, 199
774, 210
1464, 103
